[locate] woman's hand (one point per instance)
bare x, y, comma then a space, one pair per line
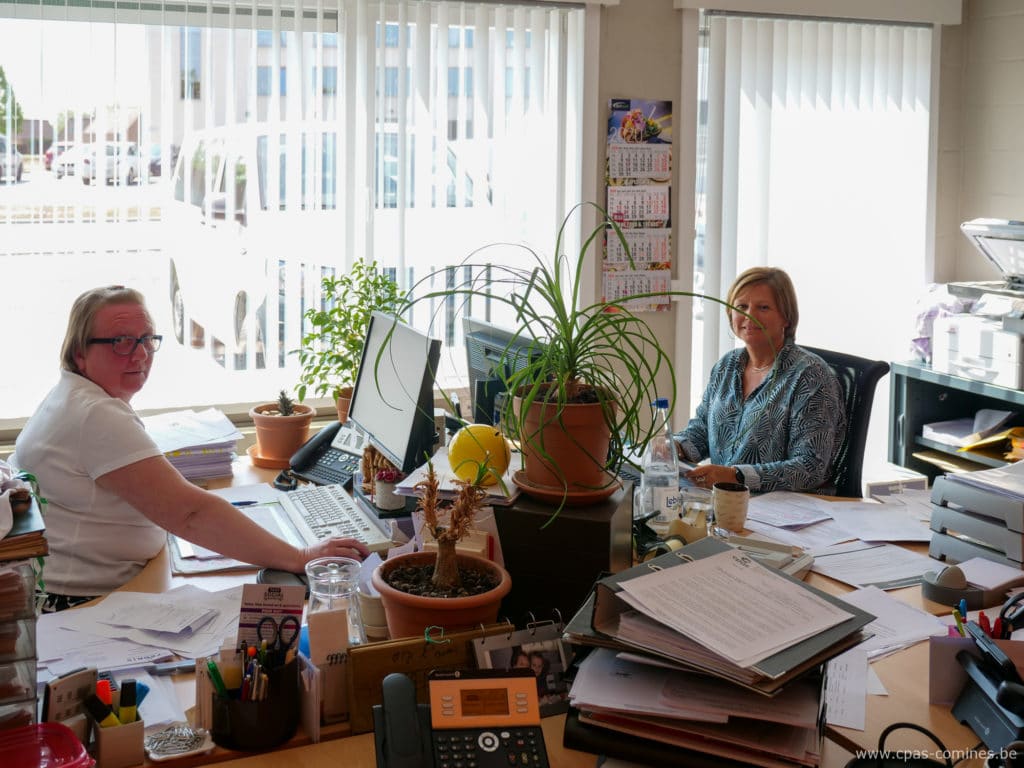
352, 548
706, 475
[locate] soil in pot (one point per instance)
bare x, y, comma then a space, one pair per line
415, 580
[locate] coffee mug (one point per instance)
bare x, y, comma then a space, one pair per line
729, 502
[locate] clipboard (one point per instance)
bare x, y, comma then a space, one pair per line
413, 656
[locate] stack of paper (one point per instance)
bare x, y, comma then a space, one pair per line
724, 633
200, 444
500, 494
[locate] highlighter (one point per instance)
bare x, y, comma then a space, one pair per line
128, 712
218, 681
103, 692
101, 713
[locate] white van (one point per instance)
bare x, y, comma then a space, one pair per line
253, 218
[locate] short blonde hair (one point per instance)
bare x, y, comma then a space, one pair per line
83, 312
782, 289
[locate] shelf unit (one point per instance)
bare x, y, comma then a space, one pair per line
918, 396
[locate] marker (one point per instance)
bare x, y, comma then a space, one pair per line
959, 622
103, 692
963, 608
101, 713
129, 701
218, 681
997, 629
984, 623
141, 692
244, 503
172, 667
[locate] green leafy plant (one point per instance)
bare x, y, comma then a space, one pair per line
600, 353
332, 347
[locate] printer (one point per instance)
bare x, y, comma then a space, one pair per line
988, 345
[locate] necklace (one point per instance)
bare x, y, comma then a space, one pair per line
761, 369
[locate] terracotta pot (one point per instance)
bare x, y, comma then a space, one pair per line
410, 615
342, 401
565, 451
278, 437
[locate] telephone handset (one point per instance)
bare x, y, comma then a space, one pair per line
490, 717
331, 456
401, 727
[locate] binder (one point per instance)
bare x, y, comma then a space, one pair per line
767, 676
27, 537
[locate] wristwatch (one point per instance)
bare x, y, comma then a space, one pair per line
739, 476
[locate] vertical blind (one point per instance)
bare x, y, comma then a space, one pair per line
816, 148
406, 132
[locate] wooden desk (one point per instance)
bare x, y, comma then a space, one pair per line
904, 675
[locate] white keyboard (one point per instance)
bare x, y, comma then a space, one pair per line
326, 511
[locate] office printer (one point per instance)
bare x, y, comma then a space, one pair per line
1001, 241
968, 521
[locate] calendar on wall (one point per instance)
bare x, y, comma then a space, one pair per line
638, 182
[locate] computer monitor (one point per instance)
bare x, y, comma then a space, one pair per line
393, 400
492, 354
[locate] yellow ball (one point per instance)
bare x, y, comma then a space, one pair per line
475, 446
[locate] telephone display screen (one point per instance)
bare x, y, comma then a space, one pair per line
481, 702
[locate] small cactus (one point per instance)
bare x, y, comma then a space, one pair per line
285, 405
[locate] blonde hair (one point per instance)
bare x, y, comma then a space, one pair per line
83, 312
782, 289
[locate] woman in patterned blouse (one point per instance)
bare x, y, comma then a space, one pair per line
772, 416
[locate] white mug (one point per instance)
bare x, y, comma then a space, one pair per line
729, 502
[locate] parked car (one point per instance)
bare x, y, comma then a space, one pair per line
232, 235
54, 151
155, 159
121, 163
69, 162
11, 164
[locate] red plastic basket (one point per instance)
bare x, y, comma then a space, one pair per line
44, 745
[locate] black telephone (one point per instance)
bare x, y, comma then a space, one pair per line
487, 718
331, 456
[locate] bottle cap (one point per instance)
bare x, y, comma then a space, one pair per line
661, 402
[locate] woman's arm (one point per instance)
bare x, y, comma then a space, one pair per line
155, 488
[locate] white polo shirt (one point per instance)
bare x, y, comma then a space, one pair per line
79, 433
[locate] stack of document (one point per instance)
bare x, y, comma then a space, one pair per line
500, 494
708, 616
201, 445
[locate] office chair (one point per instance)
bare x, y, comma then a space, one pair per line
857, 377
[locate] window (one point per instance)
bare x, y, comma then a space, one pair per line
828, 126
265, 191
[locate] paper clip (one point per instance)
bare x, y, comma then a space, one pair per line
428, 637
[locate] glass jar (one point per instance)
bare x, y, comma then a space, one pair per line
333, 585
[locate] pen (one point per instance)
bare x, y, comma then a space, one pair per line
244, 503
101, 713
959, 622
172, 667
963, 608
218, 682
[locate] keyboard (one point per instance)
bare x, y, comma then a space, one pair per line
326, 511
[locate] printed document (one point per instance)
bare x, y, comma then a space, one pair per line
710, 599
859, 564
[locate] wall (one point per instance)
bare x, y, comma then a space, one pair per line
641, 57
981, 162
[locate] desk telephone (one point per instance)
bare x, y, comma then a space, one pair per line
487, 718
330, 456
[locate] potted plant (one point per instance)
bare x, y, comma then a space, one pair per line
281, 429
384, 496
447, 588
332, 345
590, 372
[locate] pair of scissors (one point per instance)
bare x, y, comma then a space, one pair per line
281, 634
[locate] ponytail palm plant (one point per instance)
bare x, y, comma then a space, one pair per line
603, 355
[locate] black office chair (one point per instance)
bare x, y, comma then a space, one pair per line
858, 377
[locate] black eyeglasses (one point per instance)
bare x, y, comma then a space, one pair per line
126, 345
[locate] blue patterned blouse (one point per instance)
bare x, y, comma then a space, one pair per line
784, 436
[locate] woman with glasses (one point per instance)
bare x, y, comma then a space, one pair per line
111, 494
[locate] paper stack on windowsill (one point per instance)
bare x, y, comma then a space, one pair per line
201, 445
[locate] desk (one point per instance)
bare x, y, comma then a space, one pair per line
905, 676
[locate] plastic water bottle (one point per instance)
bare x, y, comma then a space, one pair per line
660, 482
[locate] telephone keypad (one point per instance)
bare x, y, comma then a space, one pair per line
518, 747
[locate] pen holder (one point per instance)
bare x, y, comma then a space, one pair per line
253, 725
121, 745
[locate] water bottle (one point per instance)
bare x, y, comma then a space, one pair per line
659, 485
